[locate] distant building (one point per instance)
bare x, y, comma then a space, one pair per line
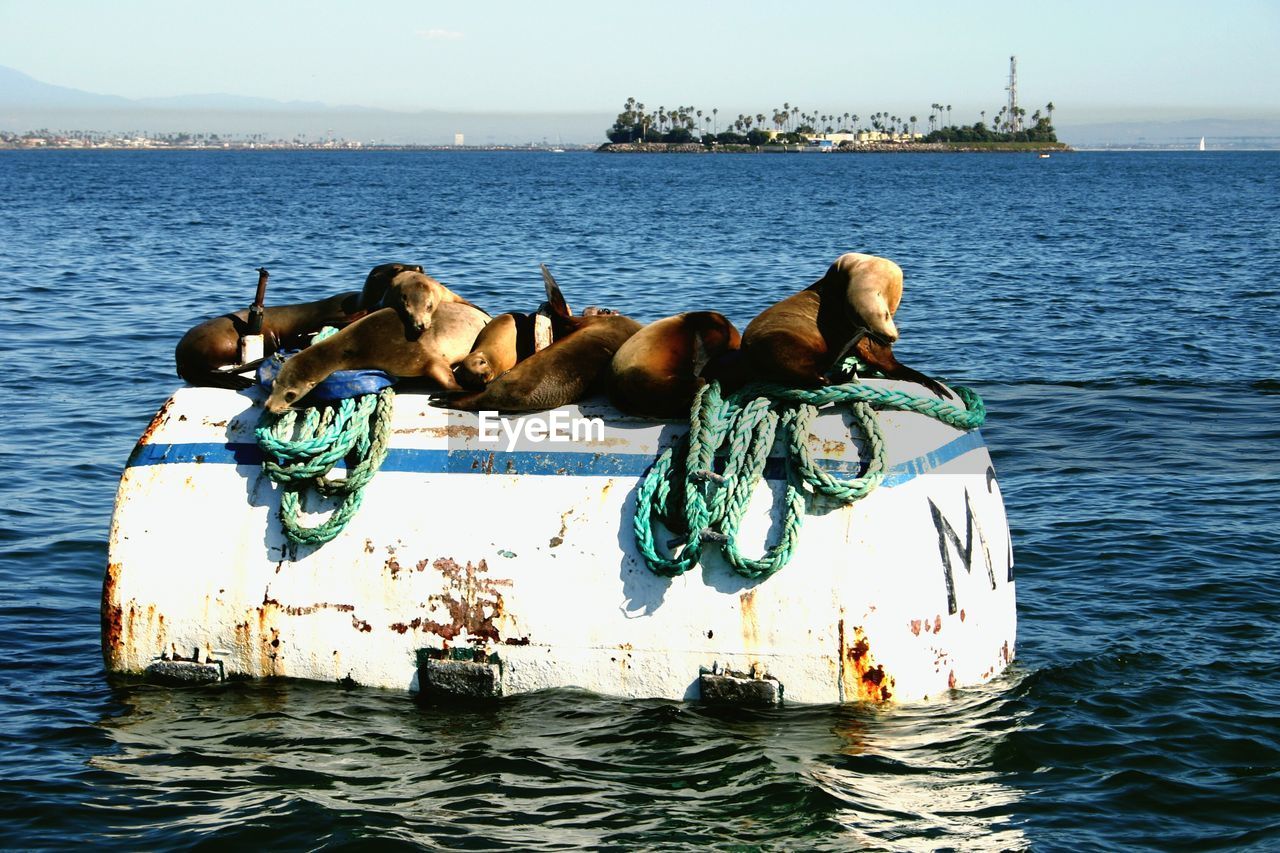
457, 139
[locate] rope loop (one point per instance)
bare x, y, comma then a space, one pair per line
726, 452
299, 455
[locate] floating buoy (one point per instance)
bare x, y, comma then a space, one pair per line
493, 556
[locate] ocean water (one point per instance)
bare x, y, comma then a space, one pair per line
1118, 312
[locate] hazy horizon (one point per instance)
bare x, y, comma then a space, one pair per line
27, 104
1098, 62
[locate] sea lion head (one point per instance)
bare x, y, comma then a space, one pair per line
475, 371
290, 385
415, 297
377, 282
872, 290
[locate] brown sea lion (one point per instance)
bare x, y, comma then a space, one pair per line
215, 343
379, 342
565, 372
415, 296
377, 282
504, 342
657, 372
848, 310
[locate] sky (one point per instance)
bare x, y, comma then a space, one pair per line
1097, 61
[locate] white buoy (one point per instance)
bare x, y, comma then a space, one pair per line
481, 565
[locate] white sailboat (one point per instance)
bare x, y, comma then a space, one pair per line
1202, 143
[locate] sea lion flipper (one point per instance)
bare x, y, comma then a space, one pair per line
878, 354
555, 299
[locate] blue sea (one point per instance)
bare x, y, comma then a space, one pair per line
1119, 313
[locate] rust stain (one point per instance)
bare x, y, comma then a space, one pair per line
831, 447
306, 610
558, 539
112, 615
861, 677
750, 620
915, 627
360, 624
962, 615
392, 564
516, 641
937, 624
368, 546
451, 431
472, 602
156, 422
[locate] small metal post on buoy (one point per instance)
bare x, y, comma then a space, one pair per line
251, 343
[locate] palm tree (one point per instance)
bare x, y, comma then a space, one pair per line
949, 124
1049, 108
715, 119
913, 126
701, 129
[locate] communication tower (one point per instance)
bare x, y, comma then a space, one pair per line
1014, 120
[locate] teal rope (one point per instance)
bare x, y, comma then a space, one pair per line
299, 455
707, 506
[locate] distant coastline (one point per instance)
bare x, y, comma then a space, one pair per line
96, 141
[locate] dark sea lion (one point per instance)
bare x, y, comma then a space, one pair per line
503, 343
849, 310
379, 342
657, 372
215, 343
565, 372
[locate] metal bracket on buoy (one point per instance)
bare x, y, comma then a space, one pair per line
461, 672
177, 670
542, 334
728, 687
252, 347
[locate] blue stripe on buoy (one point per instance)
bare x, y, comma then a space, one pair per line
533, 464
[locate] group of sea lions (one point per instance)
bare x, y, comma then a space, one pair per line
408, 324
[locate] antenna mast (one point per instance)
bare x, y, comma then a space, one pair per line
1015, 122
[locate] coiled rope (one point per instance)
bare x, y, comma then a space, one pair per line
299, 455
684, 491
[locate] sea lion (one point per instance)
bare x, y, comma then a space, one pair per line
562, 373
849, 310
215, 343
415, 296
507, 340
657, 372
379, 342
377, 282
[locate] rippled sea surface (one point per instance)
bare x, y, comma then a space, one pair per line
1118, 312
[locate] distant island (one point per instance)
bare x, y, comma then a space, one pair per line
691, 129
